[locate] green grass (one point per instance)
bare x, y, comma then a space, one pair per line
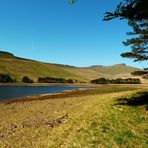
114, 69
94, 120
6, 55
19, 67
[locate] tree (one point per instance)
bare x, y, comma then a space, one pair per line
6, 78
99, 81
26, 79
69, 81
116, 81
136, 12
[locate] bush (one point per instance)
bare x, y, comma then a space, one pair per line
6, 78
26, 79
99, 81
51, 80
116, 81
69, 81
54, 80
139, 73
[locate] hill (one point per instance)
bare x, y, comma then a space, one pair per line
114, 71
19, 67
6, 55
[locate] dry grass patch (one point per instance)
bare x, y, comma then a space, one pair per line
92, 121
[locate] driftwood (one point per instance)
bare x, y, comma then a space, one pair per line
50, 123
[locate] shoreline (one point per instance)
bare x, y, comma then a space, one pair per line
28, 123
69, 84
56, 95
68, 93
91, 89
47, 84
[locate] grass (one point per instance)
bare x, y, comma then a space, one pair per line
19, 67
81, 120
114, 69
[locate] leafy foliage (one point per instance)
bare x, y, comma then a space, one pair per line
139, 73
139, 48
129, 9
6, 78
136, 12
116, 81
26, 79
51, 80
100, 81
143, 73
54, 80
69, 81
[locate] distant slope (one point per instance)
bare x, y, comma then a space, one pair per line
19, 67
114, 71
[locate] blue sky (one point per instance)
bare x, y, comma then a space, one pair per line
56, 32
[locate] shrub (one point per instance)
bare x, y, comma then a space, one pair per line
51, 80
6, 78
99, 81
69, 81
116, 81
26, 79
54, 80
139, 73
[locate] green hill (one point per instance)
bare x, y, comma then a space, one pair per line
19, 67
114, 71
6, 55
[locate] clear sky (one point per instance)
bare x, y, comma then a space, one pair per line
57, 32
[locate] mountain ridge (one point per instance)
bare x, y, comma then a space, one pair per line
18, 67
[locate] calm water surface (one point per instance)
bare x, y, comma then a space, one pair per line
14, 92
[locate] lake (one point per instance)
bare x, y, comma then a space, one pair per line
14, 92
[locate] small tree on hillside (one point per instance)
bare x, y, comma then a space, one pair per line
6, 78
26, 79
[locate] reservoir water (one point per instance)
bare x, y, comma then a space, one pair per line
15, 92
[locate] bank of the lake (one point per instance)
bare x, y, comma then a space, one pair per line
84, 118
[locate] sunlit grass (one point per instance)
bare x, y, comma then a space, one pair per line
94, 120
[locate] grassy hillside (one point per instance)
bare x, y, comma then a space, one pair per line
6, 55
113, 70
119, 70
19, 67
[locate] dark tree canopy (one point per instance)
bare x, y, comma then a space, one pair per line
6, 78
130, 9
116, 81
136, 12
26, 79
